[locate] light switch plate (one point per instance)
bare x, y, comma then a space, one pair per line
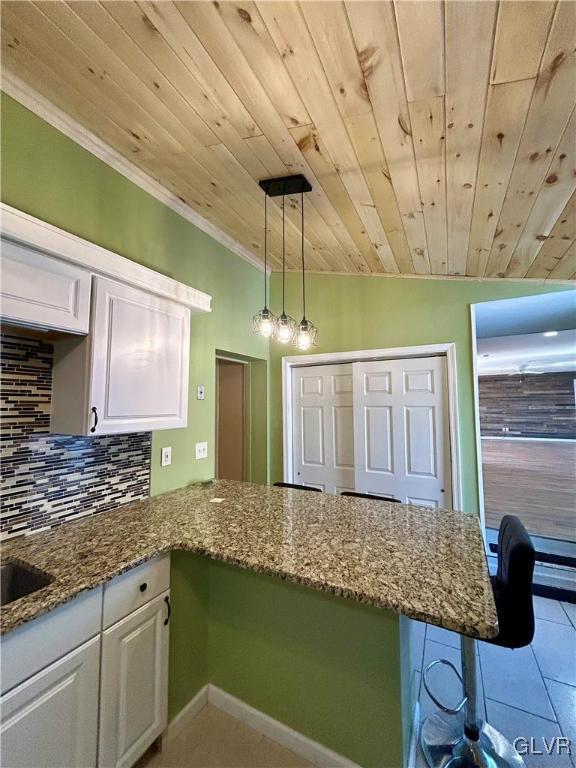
166, 456
200, 392
201, 450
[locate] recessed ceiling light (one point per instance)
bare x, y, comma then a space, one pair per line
551, 333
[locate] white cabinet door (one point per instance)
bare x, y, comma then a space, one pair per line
41, 291
134, 683
139, 366
51, 719
401, 430
323, 440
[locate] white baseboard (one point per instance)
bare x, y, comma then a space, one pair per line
183, 718
303, 746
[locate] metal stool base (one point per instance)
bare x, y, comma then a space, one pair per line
445, 746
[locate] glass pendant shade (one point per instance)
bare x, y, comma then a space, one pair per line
285, 329
264, 322
305, 335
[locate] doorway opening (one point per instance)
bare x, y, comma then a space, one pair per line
241, 418
525, 401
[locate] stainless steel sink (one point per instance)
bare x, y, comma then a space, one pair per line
18, 579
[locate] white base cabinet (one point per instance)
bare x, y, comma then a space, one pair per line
134, 680
51, 719
87, 685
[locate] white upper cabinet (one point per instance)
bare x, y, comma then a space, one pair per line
139, 359
124, 367
43, 292
131, 374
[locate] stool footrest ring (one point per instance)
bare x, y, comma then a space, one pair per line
443, 707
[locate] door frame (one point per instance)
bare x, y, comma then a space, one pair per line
447, 350
477, 433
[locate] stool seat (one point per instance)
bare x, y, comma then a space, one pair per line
370, 496
297, 487
462, 740
512, 585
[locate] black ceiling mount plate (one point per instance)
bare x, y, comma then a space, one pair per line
285, 185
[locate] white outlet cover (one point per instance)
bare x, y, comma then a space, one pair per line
166, 456
200, 392
201, 450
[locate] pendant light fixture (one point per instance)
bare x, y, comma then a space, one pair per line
285, 327
264, 321
306, 331
286, 330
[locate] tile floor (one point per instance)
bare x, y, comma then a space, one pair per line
527, 692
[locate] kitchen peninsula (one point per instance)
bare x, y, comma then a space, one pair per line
281, 646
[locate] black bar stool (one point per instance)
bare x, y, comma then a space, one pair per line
297, 487
449, 742
370, 496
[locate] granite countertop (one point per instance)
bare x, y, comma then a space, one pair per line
425, 563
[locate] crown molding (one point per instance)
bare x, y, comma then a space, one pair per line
465, 278
57, 118
34, 233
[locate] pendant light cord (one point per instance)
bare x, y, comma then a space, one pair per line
265, 249
302, 244
283, 254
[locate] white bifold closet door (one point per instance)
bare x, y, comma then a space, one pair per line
378, 427
401, 431
323, 427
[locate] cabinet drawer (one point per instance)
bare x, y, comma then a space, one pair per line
132, 589
28, 649
42, 291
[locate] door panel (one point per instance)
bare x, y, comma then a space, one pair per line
134, 681
313, 435
378, 439
343, 428
140, 359
420, 441
323, 427
401, 432
231, 460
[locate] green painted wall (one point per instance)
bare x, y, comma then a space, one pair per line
49, 176
377, 312
326, 666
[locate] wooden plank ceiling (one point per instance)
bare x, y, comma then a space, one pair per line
439, 137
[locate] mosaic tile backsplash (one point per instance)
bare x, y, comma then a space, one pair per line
46, 479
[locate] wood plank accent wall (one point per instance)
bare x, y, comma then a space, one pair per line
438, 136
528, 405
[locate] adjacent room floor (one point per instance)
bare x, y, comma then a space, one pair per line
528, 692
533, 479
